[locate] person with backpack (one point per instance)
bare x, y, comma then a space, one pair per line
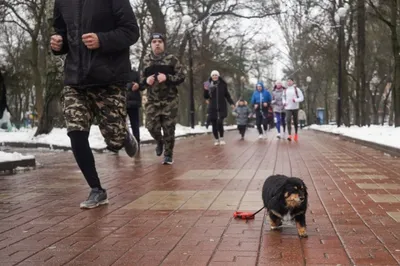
260, 100
278, 108
292, 97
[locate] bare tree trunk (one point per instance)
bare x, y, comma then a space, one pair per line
396, 89
391, 112
37, 78
50, 110
385, 104
157, 16
396, 51
361, 61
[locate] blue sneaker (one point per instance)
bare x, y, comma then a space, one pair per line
168, 160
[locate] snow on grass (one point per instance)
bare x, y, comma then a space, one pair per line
383, 135
58, 136
15, 156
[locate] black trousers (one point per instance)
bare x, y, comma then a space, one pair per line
261, 120
84, 157
242, 129
134, 118
217, 128
295, 115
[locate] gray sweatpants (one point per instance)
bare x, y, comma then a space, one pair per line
295, 115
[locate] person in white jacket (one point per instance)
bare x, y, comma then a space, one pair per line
292, 97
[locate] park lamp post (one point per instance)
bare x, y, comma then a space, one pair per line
308, 80
339, 19
187, 21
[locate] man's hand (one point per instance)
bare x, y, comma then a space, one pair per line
56, 42
256, 106
150, 80
265, 104
161, 77
207, 101
135, 86
91, 41
233, 106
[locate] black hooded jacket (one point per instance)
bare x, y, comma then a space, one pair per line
218, 94
116, 27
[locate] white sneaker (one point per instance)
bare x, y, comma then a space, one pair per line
260, 136
265, 135
216, 142
278, 135
222, 142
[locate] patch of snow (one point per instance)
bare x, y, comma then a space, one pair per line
15, 156
58, 136
384, 135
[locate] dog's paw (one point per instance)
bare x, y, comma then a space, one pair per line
275, 228
302, 232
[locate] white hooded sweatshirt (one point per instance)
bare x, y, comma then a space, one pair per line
289, 94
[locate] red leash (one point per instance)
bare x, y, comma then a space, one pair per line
246, 215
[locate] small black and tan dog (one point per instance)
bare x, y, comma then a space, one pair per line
282, 196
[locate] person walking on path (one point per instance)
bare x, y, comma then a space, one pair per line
292, 96
242, 113
217, 94
279, 109
162, 73
302, 118
260, 100
133, 104
96, 39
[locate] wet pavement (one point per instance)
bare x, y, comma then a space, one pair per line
182, 214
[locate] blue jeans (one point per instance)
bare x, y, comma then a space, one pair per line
280, 120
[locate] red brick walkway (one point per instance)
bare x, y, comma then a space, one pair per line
182, 214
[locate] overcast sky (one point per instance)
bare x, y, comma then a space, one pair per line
272, 33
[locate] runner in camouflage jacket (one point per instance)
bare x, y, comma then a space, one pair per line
161, 74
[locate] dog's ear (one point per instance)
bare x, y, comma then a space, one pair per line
305, 188
280, 192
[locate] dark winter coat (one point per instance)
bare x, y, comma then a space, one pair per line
133, 98
218, 94
116, 27
242, 113
3, 96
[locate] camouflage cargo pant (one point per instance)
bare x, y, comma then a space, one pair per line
81, 106
163, 115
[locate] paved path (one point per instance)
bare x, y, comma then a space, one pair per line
182, 214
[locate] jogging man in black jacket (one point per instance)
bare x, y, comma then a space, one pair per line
96, 36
